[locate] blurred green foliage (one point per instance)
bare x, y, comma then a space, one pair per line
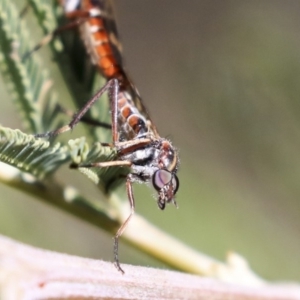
222, 78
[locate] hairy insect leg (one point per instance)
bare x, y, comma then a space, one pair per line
112, 86
130, 198
50, 36
104, 164
124, 225
77, 18
85, 120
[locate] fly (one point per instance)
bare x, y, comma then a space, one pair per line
150, 157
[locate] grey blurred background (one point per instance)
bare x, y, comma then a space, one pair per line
222, 80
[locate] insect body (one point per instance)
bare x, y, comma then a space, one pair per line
139, 146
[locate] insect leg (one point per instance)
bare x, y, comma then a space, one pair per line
112, 86
124, 225
104, 164
85, 120
49, 37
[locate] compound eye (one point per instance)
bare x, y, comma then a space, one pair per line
162, 178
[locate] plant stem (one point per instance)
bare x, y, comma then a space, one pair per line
140, 233
31, 273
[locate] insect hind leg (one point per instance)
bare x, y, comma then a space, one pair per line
86, 120
112, 86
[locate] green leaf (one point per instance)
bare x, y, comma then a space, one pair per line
106, 178
27, 80
30, 154
45, 12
